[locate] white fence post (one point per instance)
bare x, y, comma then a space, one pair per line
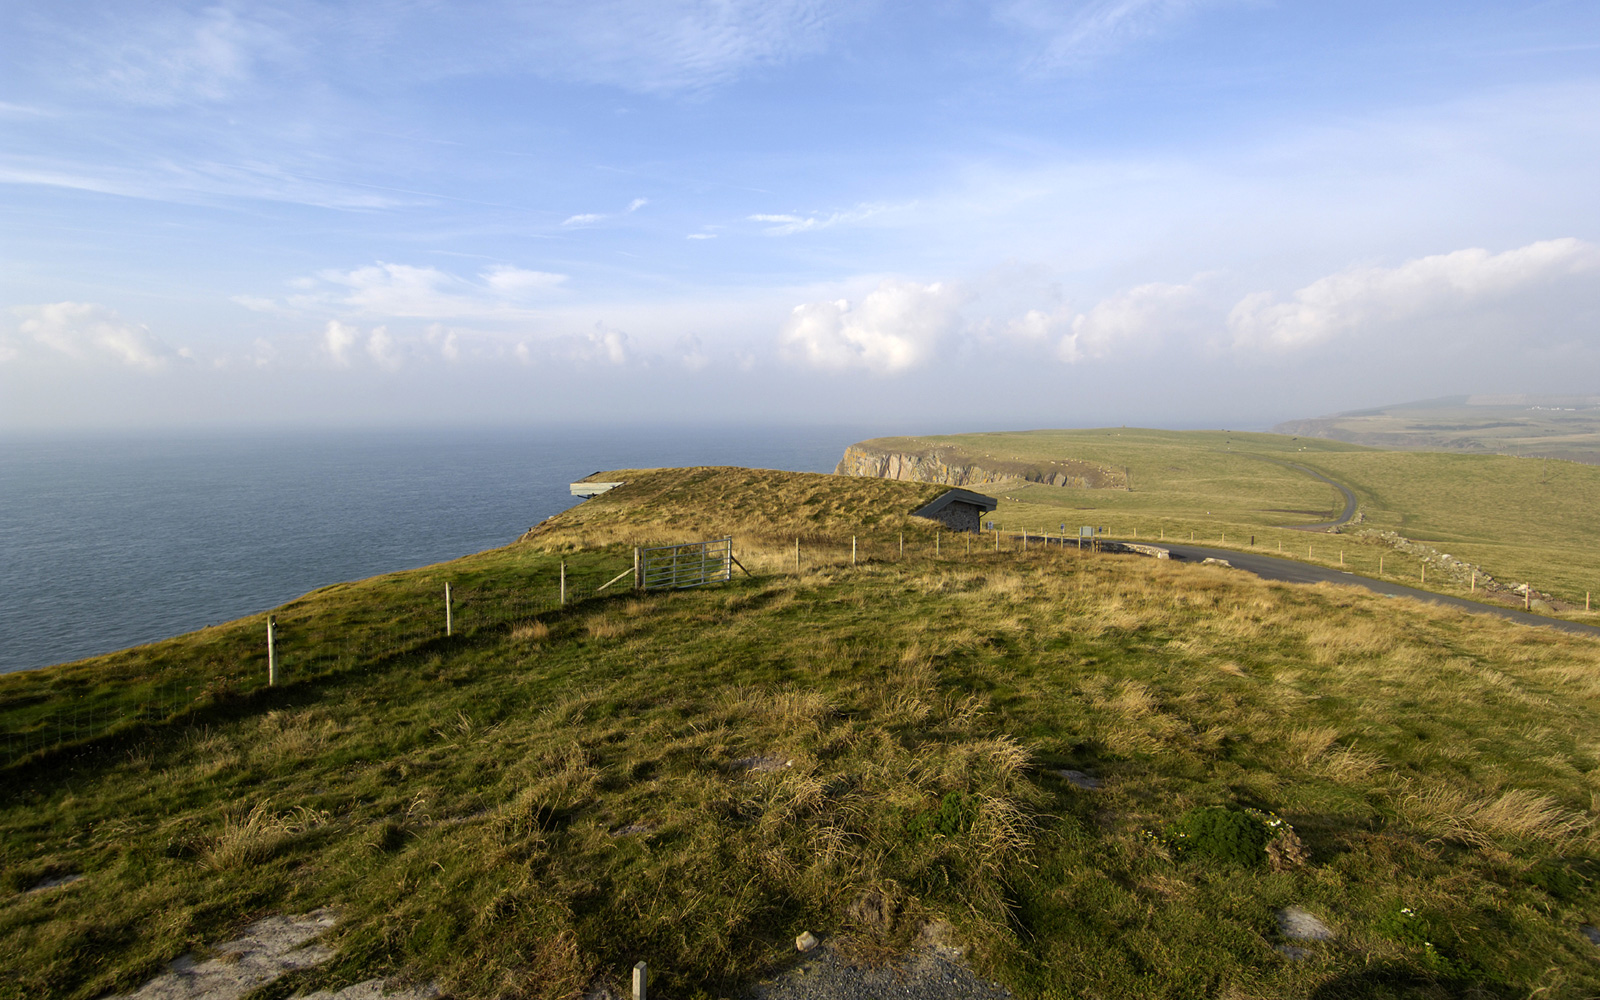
272, 652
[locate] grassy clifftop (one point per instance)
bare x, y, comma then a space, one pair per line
760, 505
692, 778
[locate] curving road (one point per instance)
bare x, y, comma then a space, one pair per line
1349, 501
1288, 571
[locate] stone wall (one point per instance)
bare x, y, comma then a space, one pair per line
959, 515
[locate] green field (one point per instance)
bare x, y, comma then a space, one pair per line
693, 778
1562, 427
1522, 520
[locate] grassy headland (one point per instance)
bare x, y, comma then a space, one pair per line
1522, 520
692, 778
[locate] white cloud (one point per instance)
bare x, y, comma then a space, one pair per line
1363, 299
338, 339
691, 353
787, 225
582, 220
701, 236
516, 281
381, 348
601, 344
637, 203
86, 332
405, 291
1139, 314
446, 340
898, 326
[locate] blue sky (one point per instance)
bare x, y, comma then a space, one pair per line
941, 214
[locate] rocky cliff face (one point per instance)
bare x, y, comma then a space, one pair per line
953, 467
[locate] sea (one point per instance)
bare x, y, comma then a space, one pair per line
112, 540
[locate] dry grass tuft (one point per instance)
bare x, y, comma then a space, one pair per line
530, 631
257, 835
1518, 814
601, 627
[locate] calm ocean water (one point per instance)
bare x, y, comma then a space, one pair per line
112, 541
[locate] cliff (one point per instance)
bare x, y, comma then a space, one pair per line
954, 467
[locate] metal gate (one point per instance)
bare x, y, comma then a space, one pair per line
668, 567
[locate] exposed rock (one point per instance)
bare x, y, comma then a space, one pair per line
1216, 562
267, 950
1078, 779
953, 467
805, 942
763, 763
55, 882
1591, 932
1299, 925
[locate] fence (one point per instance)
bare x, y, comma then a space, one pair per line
673, 567
44, 712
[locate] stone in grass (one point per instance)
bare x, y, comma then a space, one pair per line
1298, 925
1077, 779
1591, 932
805, 942
1292, 952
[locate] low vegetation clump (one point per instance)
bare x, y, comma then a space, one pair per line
1232, 836
1007, 742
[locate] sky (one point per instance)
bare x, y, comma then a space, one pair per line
936, 215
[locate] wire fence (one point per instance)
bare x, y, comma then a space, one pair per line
46, 712
40, 718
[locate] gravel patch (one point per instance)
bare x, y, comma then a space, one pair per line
935, 971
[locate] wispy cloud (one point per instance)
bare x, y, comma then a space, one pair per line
586, 219
387, 291
1372, 299
788, 224
1075, 33
636, 204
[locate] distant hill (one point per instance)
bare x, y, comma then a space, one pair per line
1566, 427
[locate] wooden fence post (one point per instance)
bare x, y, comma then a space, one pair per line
936, 543
272, 652
902, 545
563, 583
852, 550
641, 981
638, 575
447, 618
1380, 567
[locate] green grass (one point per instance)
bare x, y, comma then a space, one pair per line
694, 778
1522, 520
1532, 426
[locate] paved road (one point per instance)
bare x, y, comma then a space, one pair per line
1349, 502
1289, 571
